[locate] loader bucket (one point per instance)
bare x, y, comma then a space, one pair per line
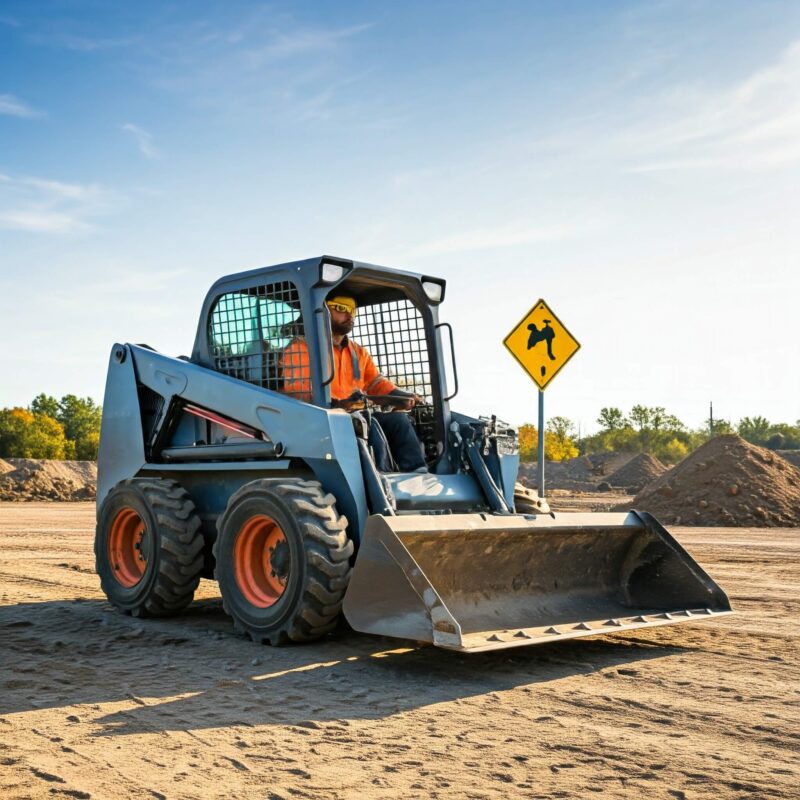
474, 582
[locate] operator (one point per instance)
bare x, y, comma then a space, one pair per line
355, 371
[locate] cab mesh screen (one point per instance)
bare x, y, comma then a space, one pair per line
394, 335
256, 336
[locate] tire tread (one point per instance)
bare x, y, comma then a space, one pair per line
328, 555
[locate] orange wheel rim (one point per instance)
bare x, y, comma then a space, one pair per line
261, 561
126, 547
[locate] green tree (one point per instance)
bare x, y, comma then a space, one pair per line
47, 405
611, 419
562, 427
721, 427
81, 420
645, 429
755, 429
14, 423
790, 433
641, 417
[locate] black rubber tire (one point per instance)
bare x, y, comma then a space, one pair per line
172, 543
320, 553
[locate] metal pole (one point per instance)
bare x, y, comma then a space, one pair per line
540, 455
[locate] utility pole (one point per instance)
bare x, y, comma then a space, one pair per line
710, 420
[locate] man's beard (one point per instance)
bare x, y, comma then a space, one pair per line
341, 328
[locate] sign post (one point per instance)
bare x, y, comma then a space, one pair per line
540, 451
542, 345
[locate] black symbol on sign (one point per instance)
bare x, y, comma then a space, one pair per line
546, 334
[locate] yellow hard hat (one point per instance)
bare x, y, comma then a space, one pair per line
343, 303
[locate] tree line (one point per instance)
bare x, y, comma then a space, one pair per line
651, 430
67, 429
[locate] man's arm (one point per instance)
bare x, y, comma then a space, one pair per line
373, 382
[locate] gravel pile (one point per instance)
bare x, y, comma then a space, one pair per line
637, 473
27, 479
728, 482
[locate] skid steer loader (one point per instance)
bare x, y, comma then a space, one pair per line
215, 465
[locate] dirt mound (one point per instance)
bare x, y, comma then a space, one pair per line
792, 456
36, 479
580, 474
637, 473
727, 481
606, 464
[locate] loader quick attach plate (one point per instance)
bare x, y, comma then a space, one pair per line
476, 582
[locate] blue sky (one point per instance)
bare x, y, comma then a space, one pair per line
635, 164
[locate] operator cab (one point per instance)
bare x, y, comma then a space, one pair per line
394, 331
253, 318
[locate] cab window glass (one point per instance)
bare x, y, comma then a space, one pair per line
251, 330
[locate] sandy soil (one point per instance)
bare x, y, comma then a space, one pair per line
564, 500
95, 704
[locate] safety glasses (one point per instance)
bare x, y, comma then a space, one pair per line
344, 308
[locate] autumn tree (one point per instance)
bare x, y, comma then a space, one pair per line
24, 434
560, 431
558, 445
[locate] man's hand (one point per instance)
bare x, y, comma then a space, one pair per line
411, 402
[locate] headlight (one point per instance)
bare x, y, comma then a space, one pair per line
330, 273
434, 291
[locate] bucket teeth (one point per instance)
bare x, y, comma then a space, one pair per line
581, 626
612, 623
522, 635
553, 630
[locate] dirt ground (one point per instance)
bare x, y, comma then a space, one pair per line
94, 704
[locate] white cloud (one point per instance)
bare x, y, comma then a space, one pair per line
263, 64
73, 191
14, 107
41, 221
504, 236
40, 205
281, 46
144, 140
753, 124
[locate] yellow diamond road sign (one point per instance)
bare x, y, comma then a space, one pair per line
541, 344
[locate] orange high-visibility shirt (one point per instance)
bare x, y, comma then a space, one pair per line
353, 369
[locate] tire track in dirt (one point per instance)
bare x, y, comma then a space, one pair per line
117, 707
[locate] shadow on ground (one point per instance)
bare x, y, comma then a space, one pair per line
193, 672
